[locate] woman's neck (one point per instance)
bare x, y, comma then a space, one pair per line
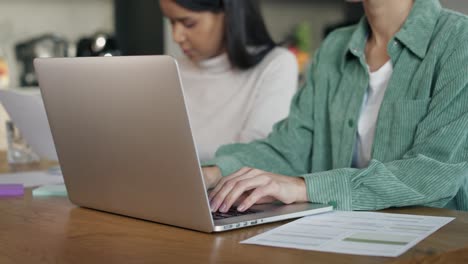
385, 18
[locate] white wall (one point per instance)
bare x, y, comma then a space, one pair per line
71, 19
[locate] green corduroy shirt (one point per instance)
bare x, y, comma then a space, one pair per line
420, 149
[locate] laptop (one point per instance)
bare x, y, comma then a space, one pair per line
122, 133
26, 110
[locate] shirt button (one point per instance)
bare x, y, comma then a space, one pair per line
350, 122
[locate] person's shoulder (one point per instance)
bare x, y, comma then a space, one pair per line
338, 40
454, 24
334, 47
279, 55
341, 35
449, 36
278, 60
454, 17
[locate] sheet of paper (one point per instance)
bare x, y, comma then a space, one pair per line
51, 190
358, 233
27, 112
31, 179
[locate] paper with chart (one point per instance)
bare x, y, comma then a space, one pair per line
358, 233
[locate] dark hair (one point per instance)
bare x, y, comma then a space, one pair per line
246, 37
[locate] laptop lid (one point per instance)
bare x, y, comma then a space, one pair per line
123, 138
26, 110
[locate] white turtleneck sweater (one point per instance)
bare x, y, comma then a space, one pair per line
227, 105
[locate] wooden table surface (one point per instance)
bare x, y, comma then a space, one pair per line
52, 230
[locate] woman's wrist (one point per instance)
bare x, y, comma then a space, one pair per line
302, 190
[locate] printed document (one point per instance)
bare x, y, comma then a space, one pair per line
358, 233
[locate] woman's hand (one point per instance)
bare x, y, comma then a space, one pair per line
258, 187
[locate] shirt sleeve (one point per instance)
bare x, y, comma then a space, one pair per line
430, 173
273, 98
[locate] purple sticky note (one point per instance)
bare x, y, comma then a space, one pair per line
11, 190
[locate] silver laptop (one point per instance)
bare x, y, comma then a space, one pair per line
122, 134
26, 110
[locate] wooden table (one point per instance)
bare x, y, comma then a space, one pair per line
52, 230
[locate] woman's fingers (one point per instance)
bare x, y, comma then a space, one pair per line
261, 193
239, 188
282, 188
223, 181
217, 197
252, 186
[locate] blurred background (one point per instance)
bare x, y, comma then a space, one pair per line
60, 28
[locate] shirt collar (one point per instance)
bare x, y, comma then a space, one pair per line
415, 33
357, 44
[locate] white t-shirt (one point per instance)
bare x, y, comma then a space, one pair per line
378, 83
228, 105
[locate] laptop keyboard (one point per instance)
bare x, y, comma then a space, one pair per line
232, 213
